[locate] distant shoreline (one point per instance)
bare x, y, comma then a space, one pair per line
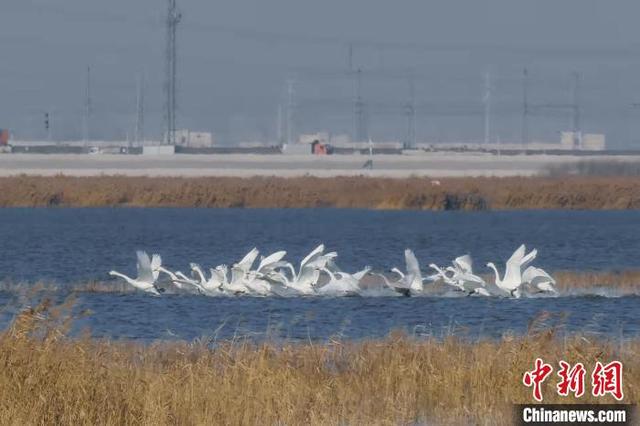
465, 194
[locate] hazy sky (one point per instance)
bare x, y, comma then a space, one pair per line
235, 58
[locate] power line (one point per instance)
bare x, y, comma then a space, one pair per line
361, 133
524, 136
139, 137
279, 127
291, 106
86, 122
410, 113
575, 117
173, 19
563, 51
487, 107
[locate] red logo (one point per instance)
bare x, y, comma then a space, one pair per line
605, 379
536, 376
572, 379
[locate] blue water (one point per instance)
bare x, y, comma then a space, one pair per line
76, 245
351, 318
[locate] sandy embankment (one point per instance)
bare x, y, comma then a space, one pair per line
240, 165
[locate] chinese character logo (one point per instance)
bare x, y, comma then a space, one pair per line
605, 379
572, 379
536, 377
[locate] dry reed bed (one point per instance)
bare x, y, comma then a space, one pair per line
618, 283
46, 378
621, 282
577, 192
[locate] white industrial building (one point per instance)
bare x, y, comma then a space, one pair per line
192, 139
585, 142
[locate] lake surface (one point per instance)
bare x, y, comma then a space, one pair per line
67, 246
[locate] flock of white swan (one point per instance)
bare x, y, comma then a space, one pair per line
318, 275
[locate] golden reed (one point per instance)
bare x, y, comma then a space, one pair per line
49, 378
566, 192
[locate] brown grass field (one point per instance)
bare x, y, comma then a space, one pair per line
622, 282
560, 192
49, 378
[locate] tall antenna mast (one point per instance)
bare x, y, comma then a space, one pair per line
173, 19
360, 118
487, 107
525, 108
575, 117
139, 137
410, 112
86, 118
291, 107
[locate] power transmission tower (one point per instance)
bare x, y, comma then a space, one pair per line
524, 137
410, 113
487, 107
139, 138
361, 133
575, 116
279, 127
173, 19
86, 121
291, 111
47, 125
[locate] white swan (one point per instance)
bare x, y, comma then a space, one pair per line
147, 273
209, 286
512, 280
319, 260
314, 254
463, 264
540, 280
233, 285
186, 279
442, 274
464, 277
181, 281
268, 270
271, 262
247, 261
276, 276
256, 284
466, 282
305, 280
268, 279
340, 284
416, 285
402, 287
297, 284
244, 280
470, 283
